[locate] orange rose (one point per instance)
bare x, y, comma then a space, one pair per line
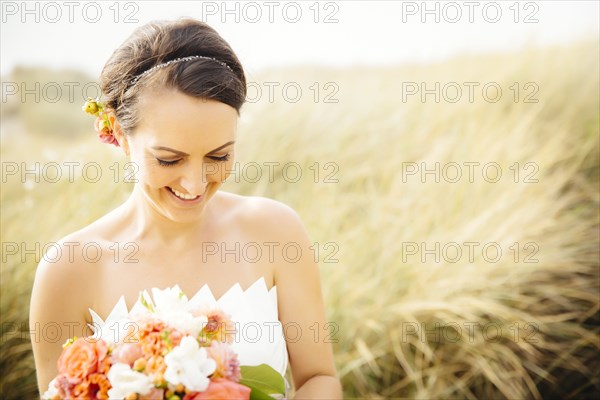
152, 344
221, 389
104, 365
81, 390
156, 364
101, 384
81, 358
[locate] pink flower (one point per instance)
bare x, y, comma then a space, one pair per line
221, 389
103, 126
93, 386
154, 394
110, 139
127, 353
65, 388
228, 366
219, 327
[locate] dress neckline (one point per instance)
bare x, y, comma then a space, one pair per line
257, 290
257, 284
255, 306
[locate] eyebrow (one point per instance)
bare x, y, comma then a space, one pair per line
181, 153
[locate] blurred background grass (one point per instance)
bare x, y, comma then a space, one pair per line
373, 294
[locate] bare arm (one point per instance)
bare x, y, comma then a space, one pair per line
320, 387
55, 314
300, 303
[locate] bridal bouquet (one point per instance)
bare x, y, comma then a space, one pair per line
165, 349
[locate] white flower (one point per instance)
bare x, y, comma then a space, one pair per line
169, 298
52, 390
171, 306
189, 365
125, 381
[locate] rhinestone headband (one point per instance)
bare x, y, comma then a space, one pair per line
177, 60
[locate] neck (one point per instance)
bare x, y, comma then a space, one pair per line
149, 225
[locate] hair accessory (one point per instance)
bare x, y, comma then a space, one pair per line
103, 123
177, 60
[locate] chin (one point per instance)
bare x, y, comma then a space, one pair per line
179, 210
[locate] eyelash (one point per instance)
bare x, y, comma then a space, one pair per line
167, 163
171, 163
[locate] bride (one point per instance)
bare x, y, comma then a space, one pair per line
173, 93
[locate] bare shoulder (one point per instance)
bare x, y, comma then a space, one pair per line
68, 266
264, 216
280, 232
63, 269
296, 275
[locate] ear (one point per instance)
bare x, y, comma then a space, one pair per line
119, 133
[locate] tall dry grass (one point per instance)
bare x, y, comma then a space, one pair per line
534, 324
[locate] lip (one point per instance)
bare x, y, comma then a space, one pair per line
182, 202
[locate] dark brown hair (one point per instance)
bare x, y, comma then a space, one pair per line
161, 41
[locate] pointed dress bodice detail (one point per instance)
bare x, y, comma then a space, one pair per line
259, 333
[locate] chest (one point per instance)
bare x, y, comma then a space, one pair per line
219, 263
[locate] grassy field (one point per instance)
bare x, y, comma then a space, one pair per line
412, 322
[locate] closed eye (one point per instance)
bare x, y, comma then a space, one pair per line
221, 159
167, 163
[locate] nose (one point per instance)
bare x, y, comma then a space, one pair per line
195, 179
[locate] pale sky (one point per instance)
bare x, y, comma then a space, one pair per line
82, 35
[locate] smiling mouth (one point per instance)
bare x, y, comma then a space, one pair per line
183, 196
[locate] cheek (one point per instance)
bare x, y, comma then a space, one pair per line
150, 173
226, 169
217, 172
157, 178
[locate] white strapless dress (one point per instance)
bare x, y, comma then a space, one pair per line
259, 333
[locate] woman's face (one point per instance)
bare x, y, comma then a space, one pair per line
183, 150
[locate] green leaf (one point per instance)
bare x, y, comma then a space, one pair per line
145, 303
257, 394
263, 379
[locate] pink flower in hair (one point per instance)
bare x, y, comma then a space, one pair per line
104, 122
103, 126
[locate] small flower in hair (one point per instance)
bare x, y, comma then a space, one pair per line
92, 106
104, 122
